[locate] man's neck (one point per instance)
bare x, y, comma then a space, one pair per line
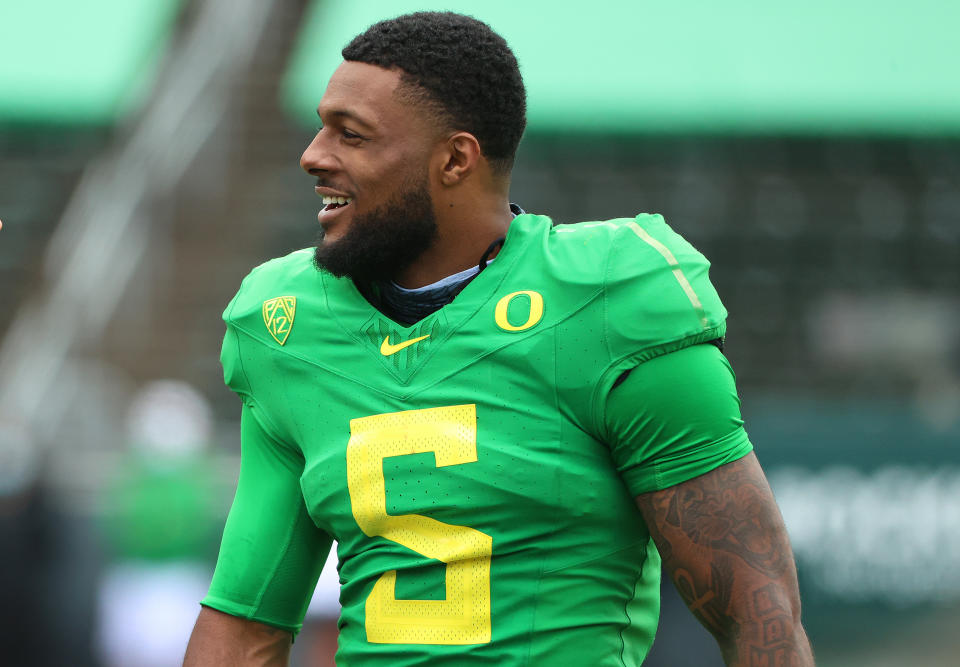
463, 235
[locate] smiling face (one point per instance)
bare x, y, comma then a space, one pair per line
371, 159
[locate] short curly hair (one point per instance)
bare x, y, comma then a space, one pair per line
459, 69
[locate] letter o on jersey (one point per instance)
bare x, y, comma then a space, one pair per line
534, 315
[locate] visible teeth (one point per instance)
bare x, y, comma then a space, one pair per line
327, 200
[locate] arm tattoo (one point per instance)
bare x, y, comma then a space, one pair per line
726, 511
724, 545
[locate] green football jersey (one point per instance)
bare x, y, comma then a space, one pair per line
470, 466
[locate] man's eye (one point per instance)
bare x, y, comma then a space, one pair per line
347, 134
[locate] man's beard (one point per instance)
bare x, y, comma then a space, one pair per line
382, 243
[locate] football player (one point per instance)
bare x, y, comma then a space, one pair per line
510, 427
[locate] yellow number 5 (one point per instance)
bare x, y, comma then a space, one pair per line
464, 616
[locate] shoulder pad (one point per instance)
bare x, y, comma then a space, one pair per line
264, 308
658, 292
292, 274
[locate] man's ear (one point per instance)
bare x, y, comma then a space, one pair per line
458, 158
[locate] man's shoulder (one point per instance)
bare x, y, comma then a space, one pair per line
658, 291
276, 281
288, 270
264, 310
651, 286
644, 236
606, 252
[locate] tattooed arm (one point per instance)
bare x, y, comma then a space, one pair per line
725, 547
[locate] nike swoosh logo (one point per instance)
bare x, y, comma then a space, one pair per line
386, 349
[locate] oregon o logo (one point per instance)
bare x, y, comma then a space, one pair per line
534, 316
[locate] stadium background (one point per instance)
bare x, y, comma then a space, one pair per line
148, 159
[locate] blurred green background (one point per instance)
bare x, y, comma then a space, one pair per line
148, 160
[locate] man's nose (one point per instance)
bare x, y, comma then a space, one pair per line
317, 158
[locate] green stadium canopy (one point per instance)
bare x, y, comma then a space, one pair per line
880, 67
79, 63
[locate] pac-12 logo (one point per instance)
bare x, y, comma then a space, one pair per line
278, 315
511, 309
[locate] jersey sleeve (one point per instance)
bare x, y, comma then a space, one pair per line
272, 552
673, 418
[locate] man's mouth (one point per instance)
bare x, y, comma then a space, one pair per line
331, 203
